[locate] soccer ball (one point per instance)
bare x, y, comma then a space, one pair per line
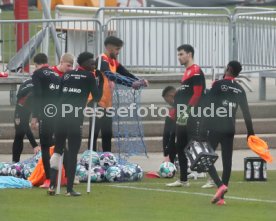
97, 174
139, 174
16, 170
37, 156
5, 169
28, 169
82, 173
128, 172
84, 160
167, 170
107, 159
113, 174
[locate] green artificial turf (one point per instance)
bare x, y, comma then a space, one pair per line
148, 200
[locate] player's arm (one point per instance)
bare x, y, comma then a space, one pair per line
119, 79
94, 89
21, 92
137, 83
168, 136
246, 114
23, 89
198, 87
37, 94
123, 71
214, 91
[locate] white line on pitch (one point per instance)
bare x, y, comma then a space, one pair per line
194, 193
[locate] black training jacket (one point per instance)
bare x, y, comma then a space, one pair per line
45, 91
228, 94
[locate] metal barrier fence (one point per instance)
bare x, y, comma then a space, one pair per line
104, 14
237, 45
151, 36
151, 42
67, 35
255, 40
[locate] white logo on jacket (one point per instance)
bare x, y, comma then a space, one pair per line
224, 87
53, 86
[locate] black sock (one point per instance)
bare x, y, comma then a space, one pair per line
53, 177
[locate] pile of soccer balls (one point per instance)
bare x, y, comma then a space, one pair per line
104, 167
21, 169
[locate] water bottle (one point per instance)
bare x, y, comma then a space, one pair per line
264, 171
248, 171
256, 166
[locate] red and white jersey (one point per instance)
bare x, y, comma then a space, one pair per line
56, 70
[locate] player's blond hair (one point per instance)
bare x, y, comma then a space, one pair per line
67, 58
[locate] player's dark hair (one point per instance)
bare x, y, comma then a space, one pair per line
167, 90
187, 48
41, 58
83, 57
234, 67
112, 40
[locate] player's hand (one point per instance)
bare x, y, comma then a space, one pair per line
37, 149
136, 84
249, 134
145, 83
34, 123
100, 77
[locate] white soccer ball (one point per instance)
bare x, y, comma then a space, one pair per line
97, 174
167, 170
16, 170
113, 174
81, 173
5, 169
107, 159
84, 160
139, 174
28, 170
128, 172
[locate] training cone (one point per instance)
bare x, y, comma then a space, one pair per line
260, 147
152, 174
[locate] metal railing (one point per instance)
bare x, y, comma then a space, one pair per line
109, 12
152, 35
255, 39
151, 41
70, 35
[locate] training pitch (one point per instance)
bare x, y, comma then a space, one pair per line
148, 200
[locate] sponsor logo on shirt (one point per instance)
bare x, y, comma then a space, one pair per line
53, 87
66, 77
71, 90
47, 72
227, 103
224, 87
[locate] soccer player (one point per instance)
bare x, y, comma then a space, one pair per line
76, 85
169, 127
66, 64
22, 115
226, 94
45, 95
188, 95
110, 63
